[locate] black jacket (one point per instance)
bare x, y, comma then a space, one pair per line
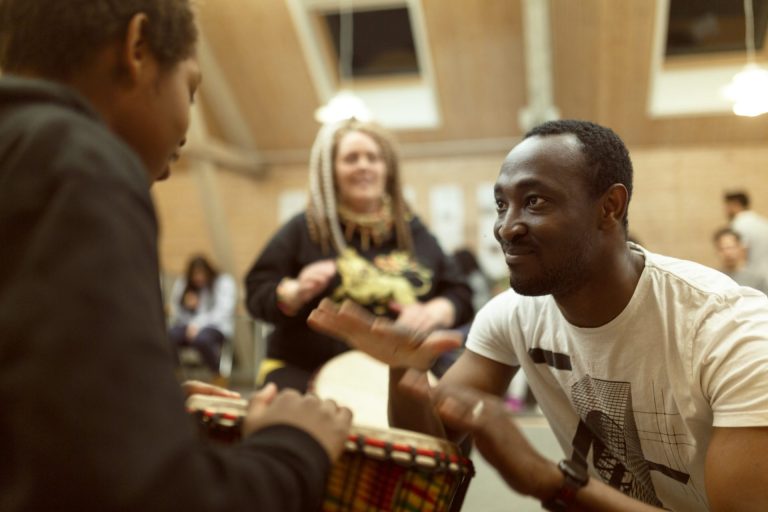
291, 249
91, 416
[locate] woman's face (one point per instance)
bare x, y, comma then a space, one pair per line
199, 277
361, 172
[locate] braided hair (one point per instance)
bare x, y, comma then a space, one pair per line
322, 212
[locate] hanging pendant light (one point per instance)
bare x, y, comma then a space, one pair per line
748, 89
345, 104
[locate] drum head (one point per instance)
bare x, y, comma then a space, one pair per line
358, 381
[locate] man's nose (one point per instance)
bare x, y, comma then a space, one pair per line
510, 226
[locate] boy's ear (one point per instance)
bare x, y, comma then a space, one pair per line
135, 55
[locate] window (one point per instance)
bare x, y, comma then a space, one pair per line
712, 26
390, 69
382, 42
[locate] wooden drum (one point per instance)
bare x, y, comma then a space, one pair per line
380, 469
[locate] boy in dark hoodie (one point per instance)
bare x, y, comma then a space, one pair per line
94, 106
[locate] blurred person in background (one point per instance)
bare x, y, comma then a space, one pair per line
733, 260
202, 309
357, 240
752, 227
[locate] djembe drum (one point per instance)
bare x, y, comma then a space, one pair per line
381, 470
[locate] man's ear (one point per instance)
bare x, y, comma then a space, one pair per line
135, 55
613, 206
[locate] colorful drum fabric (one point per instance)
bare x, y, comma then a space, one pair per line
399, 471
381, 470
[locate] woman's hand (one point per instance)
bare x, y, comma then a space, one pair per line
292, 294
425, 317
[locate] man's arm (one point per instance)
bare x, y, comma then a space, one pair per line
403, 349
506, 448
410, 407
736, 469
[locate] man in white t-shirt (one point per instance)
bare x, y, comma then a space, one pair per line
650, 370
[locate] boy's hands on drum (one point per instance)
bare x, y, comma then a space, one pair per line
196, 387
496, 436
381, 338
325, 421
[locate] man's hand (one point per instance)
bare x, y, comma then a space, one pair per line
497, 437
328, 423
382, 339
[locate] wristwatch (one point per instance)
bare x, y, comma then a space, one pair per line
576, 477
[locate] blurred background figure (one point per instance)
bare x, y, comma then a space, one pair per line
733, 260
480, 283
359, 240
753, 229
202, 311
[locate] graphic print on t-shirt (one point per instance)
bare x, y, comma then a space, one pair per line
608, 427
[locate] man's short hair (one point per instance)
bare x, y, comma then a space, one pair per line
737, 196
607, 158
55, 39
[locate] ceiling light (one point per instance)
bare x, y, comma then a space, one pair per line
748, 89
344, 105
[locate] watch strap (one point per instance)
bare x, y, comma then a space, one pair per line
574, 478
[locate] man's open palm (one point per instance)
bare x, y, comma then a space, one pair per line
381, 338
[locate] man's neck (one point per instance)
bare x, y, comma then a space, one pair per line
607, 293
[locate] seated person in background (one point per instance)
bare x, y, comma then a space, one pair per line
94, 106
650, 370
478, 281
733, 260
203, 310
358, 240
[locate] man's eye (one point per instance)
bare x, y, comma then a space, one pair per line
500, 205
534, 201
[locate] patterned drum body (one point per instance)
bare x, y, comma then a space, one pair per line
399, 471
381, 470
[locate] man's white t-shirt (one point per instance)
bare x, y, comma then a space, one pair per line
638, 397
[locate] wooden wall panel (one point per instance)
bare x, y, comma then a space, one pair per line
477, 51
256, 47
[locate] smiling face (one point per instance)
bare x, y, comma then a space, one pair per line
360, 172
155, 119
546, 218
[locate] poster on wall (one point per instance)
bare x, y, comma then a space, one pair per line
446, 205
488, 252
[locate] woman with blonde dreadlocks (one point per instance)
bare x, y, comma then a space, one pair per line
357, 240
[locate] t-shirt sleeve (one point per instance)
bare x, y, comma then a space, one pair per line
494, 329
730, 357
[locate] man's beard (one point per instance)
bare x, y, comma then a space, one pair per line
569, 274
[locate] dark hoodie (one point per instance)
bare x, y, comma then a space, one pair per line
91, 416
